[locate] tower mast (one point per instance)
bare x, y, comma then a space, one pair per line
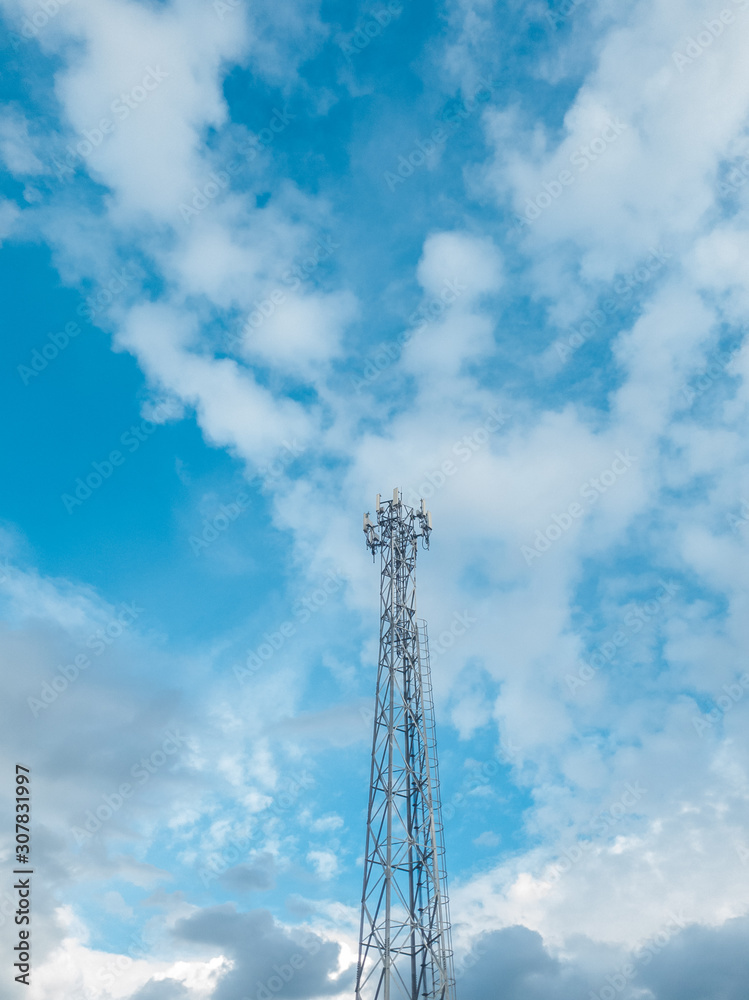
405, 950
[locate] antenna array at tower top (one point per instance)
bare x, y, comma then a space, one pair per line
420, 520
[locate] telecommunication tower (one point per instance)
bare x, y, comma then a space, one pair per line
405, 950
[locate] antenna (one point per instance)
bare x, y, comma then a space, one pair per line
405, 950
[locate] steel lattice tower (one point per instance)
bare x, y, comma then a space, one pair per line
405, 950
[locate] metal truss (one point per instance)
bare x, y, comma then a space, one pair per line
405, 951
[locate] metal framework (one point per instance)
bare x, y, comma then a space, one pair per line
405, 951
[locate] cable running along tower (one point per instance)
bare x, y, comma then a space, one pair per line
404, 951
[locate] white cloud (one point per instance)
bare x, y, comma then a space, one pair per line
9, 214
325, 864
470, 261
16, 149
651, 182
302, 332
233, 409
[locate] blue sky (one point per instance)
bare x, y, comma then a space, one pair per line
261, 262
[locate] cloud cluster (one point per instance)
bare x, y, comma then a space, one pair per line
616, 472
694, 963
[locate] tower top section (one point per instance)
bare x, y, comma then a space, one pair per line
393, 517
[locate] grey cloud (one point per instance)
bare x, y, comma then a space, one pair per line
258, 876
515, 965
270, 963
701, 963
300, 907
81, 747
696, 963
